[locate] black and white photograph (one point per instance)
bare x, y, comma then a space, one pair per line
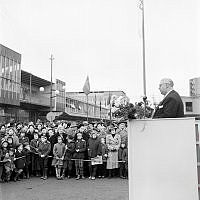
99, 100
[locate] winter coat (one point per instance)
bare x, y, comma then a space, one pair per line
19, 163
120, 151
125, 155
94, 147
124, 136
53, 140
35, 157
104, 151
27, 153
9, 163
44, 148
81, 146
34, 145
113, 144
70, 150
58, 151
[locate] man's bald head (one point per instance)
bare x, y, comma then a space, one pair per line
167, 81
166, 85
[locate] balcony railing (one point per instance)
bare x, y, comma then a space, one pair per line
38, 100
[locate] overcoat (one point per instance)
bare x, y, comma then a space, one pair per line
113, 143
81, 146
58, 151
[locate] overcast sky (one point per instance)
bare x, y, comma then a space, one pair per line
102, 39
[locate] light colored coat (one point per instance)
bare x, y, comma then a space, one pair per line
113, 144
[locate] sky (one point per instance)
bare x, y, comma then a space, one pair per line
103, 39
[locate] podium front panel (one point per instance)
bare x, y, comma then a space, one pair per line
162, 159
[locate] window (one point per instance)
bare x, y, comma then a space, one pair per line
188, 106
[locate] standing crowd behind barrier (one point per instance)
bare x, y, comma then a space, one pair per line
63, 149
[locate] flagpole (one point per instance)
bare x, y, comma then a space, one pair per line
87, 106
86, 90
143, 57
100, 108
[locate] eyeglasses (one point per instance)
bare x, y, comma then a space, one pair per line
162, 84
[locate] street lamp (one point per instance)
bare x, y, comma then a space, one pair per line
51, 95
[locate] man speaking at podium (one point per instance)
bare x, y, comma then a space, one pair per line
171, 106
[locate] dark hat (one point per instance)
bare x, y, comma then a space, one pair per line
73, 124
79, 126
70, 137
112, 126
122, 121
9, 138
4, 141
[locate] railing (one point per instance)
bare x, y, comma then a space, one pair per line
38, 100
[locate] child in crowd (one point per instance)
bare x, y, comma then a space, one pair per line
94, 152
34, 155
10, 142
1, 164
44, 149
79, 155
102, 167
122, 162
68, 163
125, 159
9, 164
58, 152
27, 154
19, 162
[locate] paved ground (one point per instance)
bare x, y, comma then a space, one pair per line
68, 189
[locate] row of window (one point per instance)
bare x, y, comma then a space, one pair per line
10, 76
80, 107
10, 69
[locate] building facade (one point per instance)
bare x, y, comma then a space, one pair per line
191, 105
10, 79
194, 87
100, 98
192, 102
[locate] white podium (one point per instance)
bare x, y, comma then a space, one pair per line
162, 159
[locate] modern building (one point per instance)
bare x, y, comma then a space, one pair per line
100, 98
10, 79
192, 102
27, 97
194, 87
191, 106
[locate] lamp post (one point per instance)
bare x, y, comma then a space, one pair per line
51, 83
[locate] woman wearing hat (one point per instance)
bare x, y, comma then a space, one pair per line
113, 141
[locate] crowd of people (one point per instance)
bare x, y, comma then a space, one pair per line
64, 150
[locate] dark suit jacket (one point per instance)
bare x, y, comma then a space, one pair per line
170, 107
